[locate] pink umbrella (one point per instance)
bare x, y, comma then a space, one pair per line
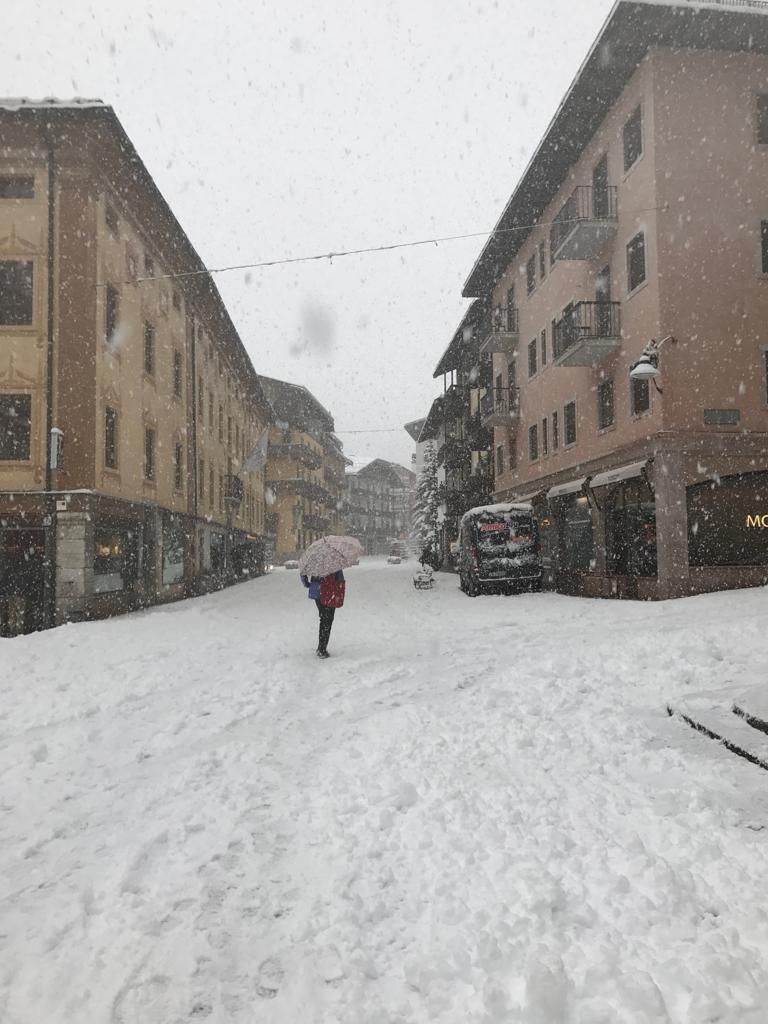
328, 555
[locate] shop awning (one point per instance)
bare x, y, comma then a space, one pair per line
561, 490
615, 476
526, 499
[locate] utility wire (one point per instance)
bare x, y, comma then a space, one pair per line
331, 256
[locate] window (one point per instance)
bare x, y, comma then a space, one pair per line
533, 442
201, 480
636, 262
211, 487
765, 370
544, 437
176, 300
530, 273
149, 453
544, 347
640, 396
569, 423
149, 265
177, 374
15, 427
532, 358
131, 266
178, 466
110, 217
221, 492
762, 120
15, 293
555, 432
633, 139
764, 245
229, 431
149, 349
110, 438
210, 410
16, 187
111, 313
200, 401
221, 424
605, 405
542, 260
499, 459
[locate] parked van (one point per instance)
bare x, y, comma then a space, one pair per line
499, 550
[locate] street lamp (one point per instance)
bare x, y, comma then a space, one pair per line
647, 366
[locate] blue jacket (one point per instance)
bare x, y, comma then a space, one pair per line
313, 584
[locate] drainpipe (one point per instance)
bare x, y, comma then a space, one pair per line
50, 498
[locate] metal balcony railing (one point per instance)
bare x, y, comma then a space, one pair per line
499, 329
498, 403
587, 320
585, 205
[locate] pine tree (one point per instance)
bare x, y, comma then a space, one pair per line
424, 515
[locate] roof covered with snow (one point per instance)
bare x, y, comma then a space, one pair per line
25, 103
296, 406
499, 509
632, 27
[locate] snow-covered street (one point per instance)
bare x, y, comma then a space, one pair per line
475, 811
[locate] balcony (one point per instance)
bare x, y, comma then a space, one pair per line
588, 333
293, 485
499, 331
499, 407
297, 452
455, 401
585, 223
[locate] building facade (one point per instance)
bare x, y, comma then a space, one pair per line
459, 426
127, 401
305, 471
641, 219
380, 501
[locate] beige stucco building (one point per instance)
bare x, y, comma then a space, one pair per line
641, 216
140, 372
305, 471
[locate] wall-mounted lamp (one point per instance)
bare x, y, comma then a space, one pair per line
647, 366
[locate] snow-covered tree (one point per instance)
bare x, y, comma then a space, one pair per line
424, 515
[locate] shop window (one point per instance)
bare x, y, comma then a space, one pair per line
16, 291
577, 546
605, 404
569, 423
15, 427
633, 138
14, 186
630, 519
726, 521
110, 438
174, 550
640, 395
636, 262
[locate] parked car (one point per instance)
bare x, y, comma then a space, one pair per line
291, 564
399, 549
499, 550
394, 560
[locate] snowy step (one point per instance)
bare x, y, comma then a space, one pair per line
752, 706
721, 722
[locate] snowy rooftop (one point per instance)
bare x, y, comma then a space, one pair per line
24, 103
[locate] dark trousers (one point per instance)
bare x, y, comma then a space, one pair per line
326, 621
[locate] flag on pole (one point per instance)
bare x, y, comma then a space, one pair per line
257, 457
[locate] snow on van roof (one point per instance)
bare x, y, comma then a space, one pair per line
506, 506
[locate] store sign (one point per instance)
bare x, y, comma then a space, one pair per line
761, 522
491, 527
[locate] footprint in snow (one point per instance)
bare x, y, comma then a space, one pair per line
271, 973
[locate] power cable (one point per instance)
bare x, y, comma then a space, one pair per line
331, 256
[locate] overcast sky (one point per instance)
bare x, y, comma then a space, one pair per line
293, 128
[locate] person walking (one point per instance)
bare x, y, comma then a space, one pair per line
328, 593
